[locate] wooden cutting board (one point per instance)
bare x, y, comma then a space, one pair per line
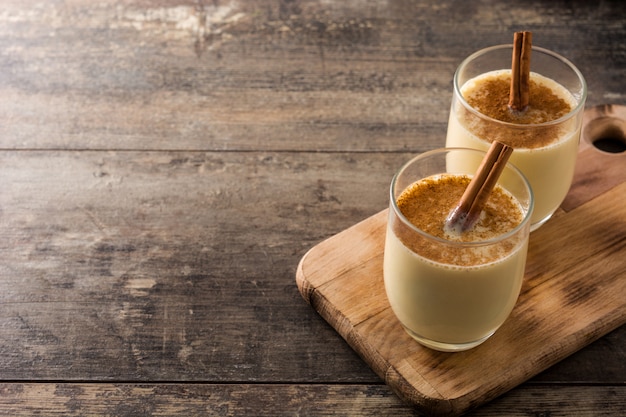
574, 292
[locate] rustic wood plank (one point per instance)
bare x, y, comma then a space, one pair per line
302, 75
133, 265
131, 400
115, 267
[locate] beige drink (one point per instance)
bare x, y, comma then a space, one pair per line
452, 291
545, 135
477, 299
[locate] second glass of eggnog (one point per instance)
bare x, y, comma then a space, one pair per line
545, 135
452, 290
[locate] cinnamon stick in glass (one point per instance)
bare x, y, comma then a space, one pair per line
520, 71
465, 214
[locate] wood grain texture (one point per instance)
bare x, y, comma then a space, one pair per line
265, 74
132, 400
598, 172
165, 164
179, 265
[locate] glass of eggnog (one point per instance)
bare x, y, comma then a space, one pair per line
545, 135
451, 290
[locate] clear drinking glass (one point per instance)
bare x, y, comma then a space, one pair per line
548, 154
452, 295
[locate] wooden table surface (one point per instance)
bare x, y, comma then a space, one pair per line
165, 165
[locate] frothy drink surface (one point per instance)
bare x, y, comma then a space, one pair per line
427, 203
489, 95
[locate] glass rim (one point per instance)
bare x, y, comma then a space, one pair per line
491, 241
579, 106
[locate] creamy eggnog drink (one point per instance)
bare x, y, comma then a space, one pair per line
545, 135
450, 290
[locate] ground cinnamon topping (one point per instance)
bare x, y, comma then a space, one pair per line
489, 96
427, 203
492, 100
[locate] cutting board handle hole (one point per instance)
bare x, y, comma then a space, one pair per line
610, 144
606, 130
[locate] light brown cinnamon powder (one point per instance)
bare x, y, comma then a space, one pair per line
492, 99
427, 203
489, 95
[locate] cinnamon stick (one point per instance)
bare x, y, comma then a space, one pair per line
465, 214
520, 71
